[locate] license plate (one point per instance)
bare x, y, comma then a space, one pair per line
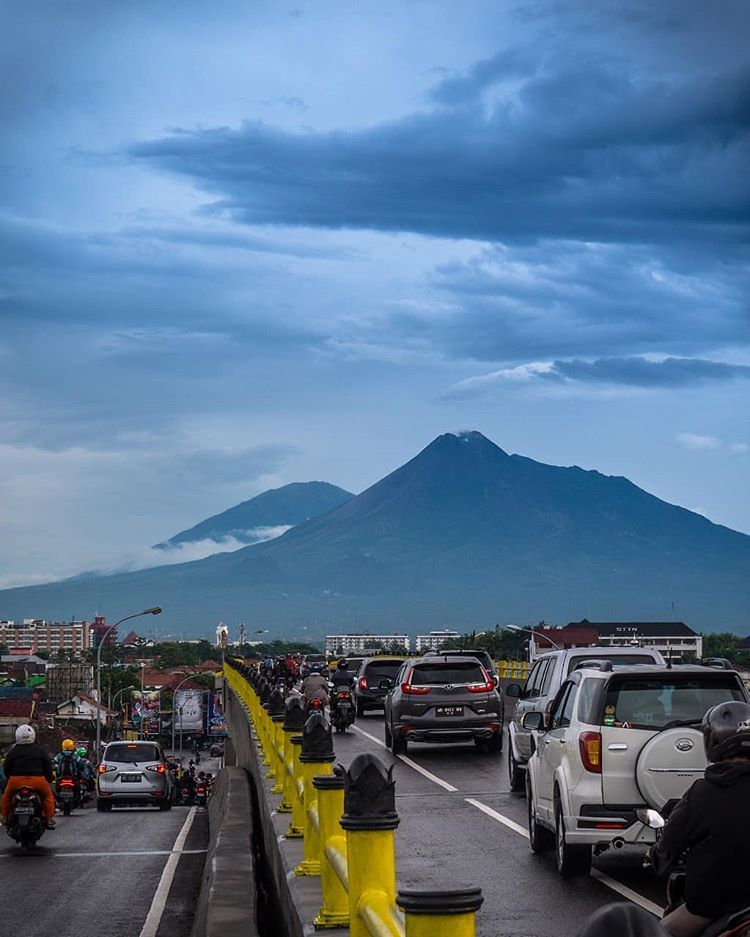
449, 710
130, 778
19, 810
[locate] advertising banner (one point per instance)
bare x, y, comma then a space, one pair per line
147, 710
217, 724
188, 710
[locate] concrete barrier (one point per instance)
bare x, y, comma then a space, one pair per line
227, 903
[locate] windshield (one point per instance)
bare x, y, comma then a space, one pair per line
655, 703
382, 669
440, 675
131, 752
618, 660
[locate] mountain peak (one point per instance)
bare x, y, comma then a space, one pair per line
472, 439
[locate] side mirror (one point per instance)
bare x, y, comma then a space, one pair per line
385, 684
534, 721
514, 690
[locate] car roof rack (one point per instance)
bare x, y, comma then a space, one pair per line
594, 663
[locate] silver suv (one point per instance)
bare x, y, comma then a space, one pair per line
443, 699
542, 686
616, 744
133, 773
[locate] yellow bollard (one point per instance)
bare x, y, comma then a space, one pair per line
440, 914
297, 823
278, 758
294, 721
334, 911
310, 864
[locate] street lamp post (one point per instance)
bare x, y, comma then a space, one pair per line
174, 697
156, 610
518, 629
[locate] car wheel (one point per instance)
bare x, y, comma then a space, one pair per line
540, 838
515, 772
570, 860
399, 745
360, 709
166, 805
102, 807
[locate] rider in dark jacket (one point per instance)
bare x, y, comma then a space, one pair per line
712, 822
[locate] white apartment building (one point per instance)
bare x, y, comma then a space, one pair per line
435, 639
37, 634
363, 643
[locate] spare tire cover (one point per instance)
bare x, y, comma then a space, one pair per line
668, 764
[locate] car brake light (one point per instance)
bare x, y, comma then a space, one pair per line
363, 683
590, 745
102, 769
414, 690
159, 768
481, 687
609, 826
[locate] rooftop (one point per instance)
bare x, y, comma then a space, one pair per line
642, 629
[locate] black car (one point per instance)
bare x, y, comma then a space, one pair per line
368, 693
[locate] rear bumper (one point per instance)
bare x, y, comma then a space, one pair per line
608, 825
131, 797
466, 732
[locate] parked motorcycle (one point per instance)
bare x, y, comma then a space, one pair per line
342, 709
67, 793
25, 823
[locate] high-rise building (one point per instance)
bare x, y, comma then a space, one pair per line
435, 639
365, 643
37, 634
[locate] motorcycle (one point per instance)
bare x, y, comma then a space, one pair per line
187, 795
313, 706
84, 792
736, 924
25, 823
67, 793
342, 710
201, 795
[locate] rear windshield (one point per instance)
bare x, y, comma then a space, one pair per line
131, 752
482, 656
441, 674
315, 659
645, 703
618, 660
382, 669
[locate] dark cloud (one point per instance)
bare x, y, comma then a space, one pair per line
585, 150
510, 63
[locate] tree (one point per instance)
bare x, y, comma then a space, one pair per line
724, 644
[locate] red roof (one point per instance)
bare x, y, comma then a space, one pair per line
16, 707
164, 680
568, 637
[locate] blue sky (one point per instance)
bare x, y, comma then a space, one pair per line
251, 243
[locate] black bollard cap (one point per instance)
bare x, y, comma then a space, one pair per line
317, 739
328, 782
458, 901
265, 691
370, 798
294, 714
276, 703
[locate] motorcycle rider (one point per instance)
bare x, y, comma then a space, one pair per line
29, 765
712, 822
67, 762
315, 686
87, 769
341, 680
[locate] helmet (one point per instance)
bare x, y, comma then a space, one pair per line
726, 730
343, 664
25, 735
82, 753
68, 745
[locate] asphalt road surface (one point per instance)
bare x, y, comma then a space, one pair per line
462, 826
98, 873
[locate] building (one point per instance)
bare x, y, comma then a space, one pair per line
37, 634
14, 713
99, 629
673, 638
64, 681
362, 643
82, 708
435, 639
574, 635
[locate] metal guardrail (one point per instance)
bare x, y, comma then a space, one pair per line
347, 821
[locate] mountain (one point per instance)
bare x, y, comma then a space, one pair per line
462, 535
251, 521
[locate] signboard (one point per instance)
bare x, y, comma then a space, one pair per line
188, 710
217, 724
146, 709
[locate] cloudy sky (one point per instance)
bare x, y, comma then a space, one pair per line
248, 243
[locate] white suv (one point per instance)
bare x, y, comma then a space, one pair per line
616, 743
542, 686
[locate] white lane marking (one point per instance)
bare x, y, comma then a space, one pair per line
511, 824
627, 893
151, 925
412, 764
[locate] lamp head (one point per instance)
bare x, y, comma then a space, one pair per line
156, 610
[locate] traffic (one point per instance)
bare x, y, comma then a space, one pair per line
622, 761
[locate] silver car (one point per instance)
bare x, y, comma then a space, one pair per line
133, 773
443, 699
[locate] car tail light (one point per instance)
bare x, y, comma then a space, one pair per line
363, 683
590, 745
344, 696
160, 769
414, 690
315, 704
67, 782
487, 687
609, 826
102, 769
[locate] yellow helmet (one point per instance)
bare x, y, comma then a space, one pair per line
68, 745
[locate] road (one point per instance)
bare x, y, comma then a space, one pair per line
462, 826
98, 873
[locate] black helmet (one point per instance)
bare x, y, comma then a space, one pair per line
726, 730
343, 664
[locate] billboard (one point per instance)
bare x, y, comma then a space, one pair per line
188, 710
217, 724
146, 709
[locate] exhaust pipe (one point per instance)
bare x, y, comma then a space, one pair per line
618, 843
